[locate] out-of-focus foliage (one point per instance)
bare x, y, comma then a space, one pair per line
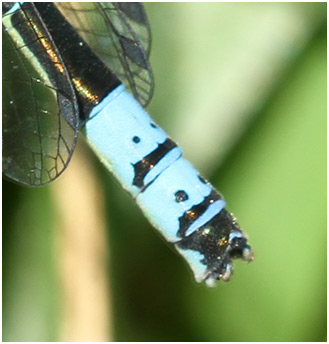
242, 88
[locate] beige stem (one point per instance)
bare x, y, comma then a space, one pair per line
81, 254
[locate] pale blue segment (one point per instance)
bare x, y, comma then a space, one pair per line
213, 209
194, 259
159, 203
15, 7
110, 131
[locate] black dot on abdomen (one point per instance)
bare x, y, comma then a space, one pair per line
136, 139
181, 196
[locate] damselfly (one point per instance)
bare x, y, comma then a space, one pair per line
63, 74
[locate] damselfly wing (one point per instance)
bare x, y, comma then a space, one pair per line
40, 110
38, 145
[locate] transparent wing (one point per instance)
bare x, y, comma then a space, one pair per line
40, 117
119, 34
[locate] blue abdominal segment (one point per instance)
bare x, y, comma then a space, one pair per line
123, 136
164, 211
185, 208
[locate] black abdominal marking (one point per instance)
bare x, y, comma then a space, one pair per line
143, 166
213, 244
181, 196
195, 212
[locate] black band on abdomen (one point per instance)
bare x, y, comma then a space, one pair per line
143, 166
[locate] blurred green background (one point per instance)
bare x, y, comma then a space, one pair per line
242, 88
